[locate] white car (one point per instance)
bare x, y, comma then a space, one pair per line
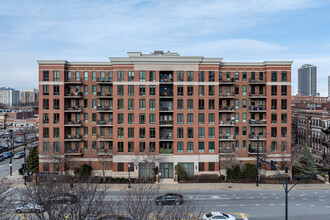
218, 215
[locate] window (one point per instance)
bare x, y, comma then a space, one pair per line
131, 104
142, 119
201, 132
274, 104
190, 147
201, 104
180, 147
283, 76
94, 76
45, 90
142, 133
236, 117
152, 90
77, 76
120, 118
180, 90
211, 147
244, 76
244, 131
200, 90
56, 90
120, 147
180, 76
284, 131
274, 118
201, 147
93, 117
130, 76
94, 131
190, 76
274, 76
142, 91
283, 146
45, 132
85, 90
236, 90
283, 104
85, 131
201, 118
190, 118
120, 167
244, 103
93, 103
45, 147
120, 132
180, 132
190, 90
152, 76
190, 104
130, 118
56, 132
244, 90
142, 148
211, 132
152, 104
85, 103
283, 90
201, 166
190, 132
211, 90
45, 104
120, 104
211, 76
45, 118
120, 76
180, 119
131, 90
211, 118
152, 118
142, 76
142, 104
273, 146
152, 132
274, 90
283, 118
211, 166
94, 90
120, 90
274, 132
56, 118
86, 75
236, 131
236, 103
56, 104
201, 76
180, 104
45, 74
236, 76
244, 117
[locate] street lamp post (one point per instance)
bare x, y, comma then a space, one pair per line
24, 136
10, 141
129, 176
257, 178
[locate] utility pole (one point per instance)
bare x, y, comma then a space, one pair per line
257, 178
10, 141
24, 169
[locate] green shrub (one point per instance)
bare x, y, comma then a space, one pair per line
235, 173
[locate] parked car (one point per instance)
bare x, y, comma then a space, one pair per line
4, 148
29, 207
218, 215
169, 199
20, 140
2, 158
19, 155
65, 198
8, 154
114, 217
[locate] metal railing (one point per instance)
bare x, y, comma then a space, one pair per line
257, 108
73, 80
104, 108
166, 122
257, 81
226, 94
257, 122
226, 136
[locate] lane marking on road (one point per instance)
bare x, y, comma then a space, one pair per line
328, 207
67, 217
312, 205
257, 204
298, 205
22, 216
283, 204
304, 198
251, 198
243, 216
241, 204
277, 198
222, 205
271, 204
315, 192
264, 197
274, 194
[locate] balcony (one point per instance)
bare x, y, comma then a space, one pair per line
103, 80
73, 152
253, 137
166, 123
103, 123
166, 106
77, 123
104, 138
166, 95
325, 142
226, 137
227, 81
105, 152
227, 123
73, 95
257, 81
257, 96
227, 109
227, 95
69, 137
227, 151
166, 136
254, 108
165, 151
104, 95
104, 108
262, 150
76, 108
253, 122
76, 81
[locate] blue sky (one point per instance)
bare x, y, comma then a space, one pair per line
237, 30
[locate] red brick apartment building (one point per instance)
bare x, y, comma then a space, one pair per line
162, 109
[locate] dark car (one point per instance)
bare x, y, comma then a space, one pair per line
65, 198
2, 158
4, 148
169, 199
8, 154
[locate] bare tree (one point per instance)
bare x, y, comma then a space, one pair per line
103, 155
229, 160
6, 201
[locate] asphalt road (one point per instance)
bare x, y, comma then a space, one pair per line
254, 204
4, 165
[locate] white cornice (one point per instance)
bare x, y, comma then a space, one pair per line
76, 63
284, 63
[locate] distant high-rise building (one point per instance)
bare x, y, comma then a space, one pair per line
307, 84
29, 96
9, 96
328, 87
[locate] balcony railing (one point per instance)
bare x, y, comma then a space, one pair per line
165, 108
257, 108
166, 122
227, 150
252, 150
69, 137
104, 123
227, 80
168, 136
72, 152
166, 94
227, 95
254, 136
73, 108
73, 80
257, 122
257, 95
104, 94
257, 81
76, 94
165, 151
227, 136
100, 80
104, 108
73, 123
227, 123
227, 108
104, 152
104, 138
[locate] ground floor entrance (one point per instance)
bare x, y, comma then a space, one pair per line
166, 170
